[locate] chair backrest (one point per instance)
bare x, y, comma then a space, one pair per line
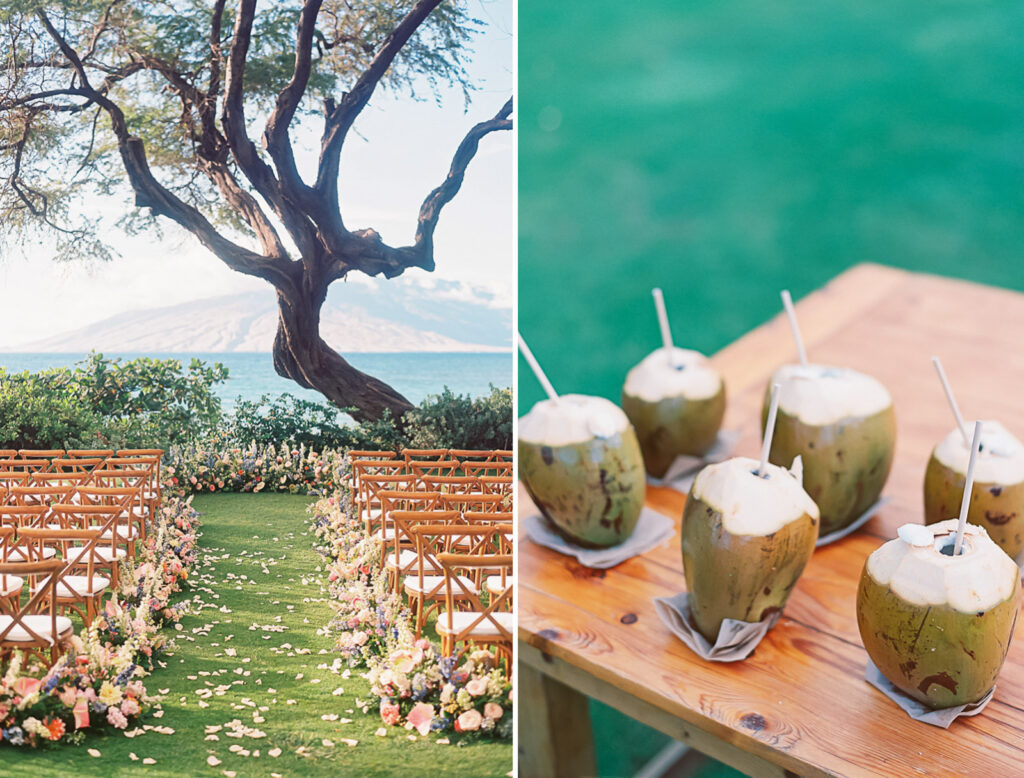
456, 589
22, 465
75, 464
35, 541
471, 455
472, 503
502, 454
40, 495
414, 454
117, 477
357, 455
40, 453
10, 478
452, 484
369, 485
23, 515
89, 453
404, 522
496, 484
493, 468
104, 518
433, 540
481, 517
67, 481
433, 468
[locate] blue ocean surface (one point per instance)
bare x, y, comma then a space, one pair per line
415, 375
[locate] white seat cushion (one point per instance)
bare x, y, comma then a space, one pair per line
462, 619
102, 552
435, 584
384, 534
494, 586
407, 560
78, 583
124, 532
40, 624
10, 584
18, 555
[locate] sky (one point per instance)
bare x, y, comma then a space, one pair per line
387, 171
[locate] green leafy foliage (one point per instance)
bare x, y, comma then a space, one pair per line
109, 402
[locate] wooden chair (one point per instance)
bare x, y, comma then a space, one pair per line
368, 506
81, 593
8, 453
19, 517
9, 479
503, 455
113, 544
397, 500
129, 501
36, 628
452, 484
401, 558
151, 458
84, 465
68, 482
355, 455
41, 453
45, 495
426, 589
22, 465
488, 625
10, 585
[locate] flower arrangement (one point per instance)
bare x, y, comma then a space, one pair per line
98, 683
427, 692
417, 687
202, 467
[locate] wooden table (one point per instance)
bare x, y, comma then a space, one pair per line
799, 704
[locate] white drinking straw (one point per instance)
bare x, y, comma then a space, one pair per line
968, 486
531, 360
769, 430
787, 303
952, 400
666, 333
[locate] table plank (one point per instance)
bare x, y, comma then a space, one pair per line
800, 701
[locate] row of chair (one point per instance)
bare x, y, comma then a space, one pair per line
68, 519
446, 539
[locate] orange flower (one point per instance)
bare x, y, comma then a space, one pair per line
56, 728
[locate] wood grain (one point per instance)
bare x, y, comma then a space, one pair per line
800, 701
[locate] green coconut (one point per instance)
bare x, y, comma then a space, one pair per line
843, 426
939, 626
746, 539
580, 462
997, 500
675, 400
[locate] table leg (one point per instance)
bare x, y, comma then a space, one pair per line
555, 737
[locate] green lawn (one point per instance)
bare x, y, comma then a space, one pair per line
257, 567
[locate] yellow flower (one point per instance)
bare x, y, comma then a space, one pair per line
110, 694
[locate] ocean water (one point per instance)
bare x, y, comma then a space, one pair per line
416, 375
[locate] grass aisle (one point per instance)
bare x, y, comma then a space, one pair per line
254, 646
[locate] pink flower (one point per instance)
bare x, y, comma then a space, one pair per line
131, 708
115, 718
469, 721
477, 686
404, 660
493, 711
423, 644
421, 716
81, 711
68, 696
26, 686
390, 713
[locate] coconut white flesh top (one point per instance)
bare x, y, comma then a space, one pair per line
676, 372
820, 395
573, 418
913, 566
752, 504
1000, 459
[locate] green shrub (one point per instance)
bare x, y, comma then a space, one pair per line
449, 420
109, 402
285, 417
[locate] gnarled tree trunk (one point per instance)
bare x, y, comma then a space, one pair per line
303, 356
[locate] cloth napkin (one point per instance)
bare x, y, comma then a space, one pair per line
736, 639
684, 469
652, 529
859, 522
918, 711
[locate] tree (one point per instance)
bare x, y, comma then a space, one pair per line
163, 95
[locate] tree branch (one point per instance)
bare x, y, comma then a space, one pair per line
150, 193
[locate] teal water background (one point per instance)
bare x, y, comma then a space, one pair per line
415, 375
